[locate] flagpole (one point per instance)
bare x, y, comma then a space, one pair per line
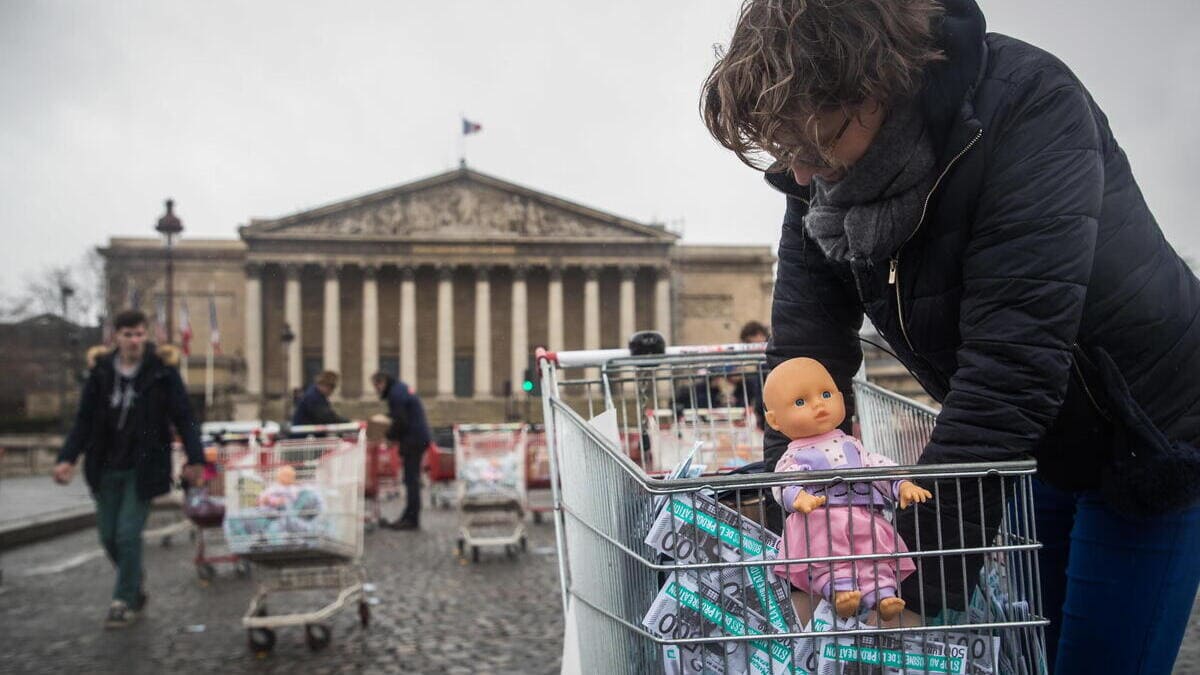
208, 379
462, 141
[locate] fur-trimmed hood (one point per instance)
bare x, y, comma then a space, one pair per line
169, 355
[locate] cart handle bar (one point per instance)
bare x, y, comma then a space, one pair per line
598, 357
327, 428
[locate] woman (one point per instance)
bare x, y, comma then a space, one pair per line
964, 191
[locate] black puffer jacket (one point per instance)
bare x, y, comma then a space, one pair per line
161, 403
1036, 239
1036, 252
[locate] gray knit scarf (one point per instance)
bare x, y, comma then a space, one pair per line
869, 214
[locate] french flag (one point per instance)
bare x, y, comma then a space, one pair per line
470, 127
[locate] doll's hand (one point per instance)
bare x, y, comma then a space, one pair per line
910, 493
805, 502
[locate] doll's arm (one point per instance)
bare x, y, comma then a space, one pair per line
908, 492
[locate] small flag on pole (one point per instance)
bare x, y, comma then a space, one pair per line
214, 333
469, 127
185, 327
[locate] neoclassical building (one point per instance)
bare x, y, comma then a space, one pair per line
448, 282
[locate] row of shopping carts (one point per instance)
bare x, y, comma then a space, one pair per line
292, 505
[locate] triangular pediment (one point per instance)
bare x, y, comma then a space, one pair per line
458, 205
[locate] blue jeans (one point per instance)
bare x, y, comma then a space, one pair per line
121, 515
1118, 591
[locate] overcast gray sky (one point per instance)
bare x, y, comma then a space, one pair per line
244, 109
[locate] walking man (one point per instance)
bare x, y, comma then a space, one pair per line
410, 429
132, 398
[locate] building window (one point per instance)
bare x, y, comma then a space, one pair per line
391, 366
312, 366
464, 376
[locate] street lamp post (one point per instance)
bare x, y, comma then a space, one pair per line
170, 225
65, 291
286, 338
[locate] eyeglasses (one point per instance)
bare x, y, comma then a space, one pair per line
810, 156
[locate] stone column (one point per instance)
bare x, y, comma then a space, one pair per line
628, 311
254, 330
370, 329
291, 315
662, 303
520, 331
332, 334
408, 326
554, 311
445, 333
591, 308
483, 333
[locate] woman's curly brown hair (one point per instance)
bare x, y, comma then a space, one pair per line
791, 59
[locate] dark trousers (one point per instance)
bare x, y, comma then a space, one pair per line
1117, 591
120, 517
412, 483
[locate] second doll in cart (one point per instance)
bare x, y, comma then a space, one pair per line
843, 519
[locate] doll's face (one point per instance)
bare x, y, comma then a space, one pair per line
802, 400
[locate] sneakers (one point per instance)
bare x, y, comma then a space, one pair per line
402, 525
120, 615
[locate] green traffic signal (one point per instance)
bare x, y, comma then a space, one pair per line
527, 385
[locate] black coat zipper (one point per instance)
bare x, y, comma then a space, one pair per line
894, 263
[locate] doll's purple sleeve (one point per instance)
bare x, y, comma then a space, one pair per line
786, 496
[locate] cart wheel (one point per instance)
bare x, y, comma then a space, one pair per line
166, 541
510, 551
364, 614
317, 636
205, 571
242, 568
524, 544
461, 546
262, 641
474, 554
537, 517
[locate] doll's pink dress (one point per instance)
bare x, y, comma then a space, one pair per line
852, 522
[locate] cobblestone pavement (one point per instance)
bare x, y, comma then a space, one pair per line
435, 614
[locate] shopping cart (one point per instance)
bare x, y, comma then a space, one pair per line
438, 467
294, 508
204, 505
676, 574
490, 463
539, 500
382, 480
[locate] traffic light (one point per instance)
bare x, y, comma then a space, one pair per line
530, 385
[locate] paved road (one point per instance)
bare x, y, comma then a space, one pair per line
30, 496
434, 614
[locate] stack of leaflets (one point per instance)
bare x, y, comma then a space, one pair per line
694, 528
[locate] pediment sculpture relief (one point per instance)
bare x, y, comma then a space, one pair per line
467, 211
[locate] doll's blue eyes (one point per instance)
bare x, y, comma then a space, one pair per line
826, 395
799, 403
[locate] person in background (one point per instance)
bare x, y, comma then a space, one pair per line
314, 407
131, 400
754, 333
409, 429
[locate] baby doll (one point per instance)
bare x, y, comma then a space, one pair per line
803, 403
282, 492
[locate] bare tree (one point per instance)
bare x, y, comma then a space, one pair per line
81, 285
